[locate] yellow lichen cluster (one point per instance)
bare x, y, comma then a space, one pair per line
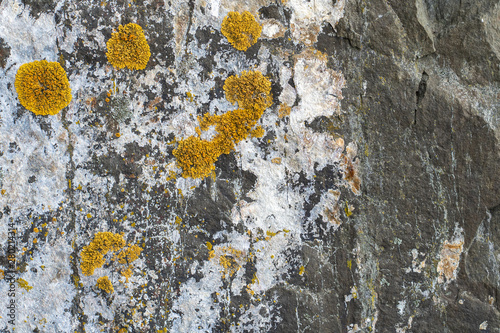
104, 284
128, 47
241, 30
92, 255
127, 272
284, 110
229, 259
43, 87
129, 254
252, 92
24, 284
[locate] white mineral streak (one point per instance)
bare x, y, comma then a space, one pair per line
319, 88
47, 304
309, 16
30, 39
195, 310
276, 206
272, 29
214, 6
328, 209
416, 266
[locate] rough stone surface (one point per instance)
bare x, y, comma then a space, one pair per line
374, 206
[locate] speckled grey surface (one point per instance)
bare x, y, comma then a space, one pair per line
403, 95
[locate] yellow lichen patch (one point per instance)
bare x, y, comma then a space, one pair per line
129, 254
284, 110
128, 48
228, 258
249, 286
92, 255
104, 284
258, 132
196, 157
43, 87
24, 284
348, 209
252, 91
241, 30
127, 273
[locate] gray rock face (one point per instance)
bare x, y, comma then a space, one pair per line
370, 203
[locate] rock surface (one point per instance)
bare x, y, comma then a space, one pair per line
371, 203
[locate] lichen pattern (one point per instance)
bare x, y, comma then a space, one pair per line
128, 48
105, 284
43, 87
252, 92
92, 255
241, 30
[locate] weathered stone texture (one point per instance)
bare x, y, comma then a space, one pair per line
401, 101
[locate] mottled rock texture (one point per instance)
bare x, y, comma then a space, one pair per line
371, 203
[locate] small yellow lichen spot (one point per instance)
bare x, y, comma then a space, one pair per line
43, 87
301, 270
104, 284
118, 135
127, 273
92, 255
3, 192
241, 30
284, 111
271, 234
89, 215
128, 48
2, 274
276, 160
230, 260
24, 284
36, 230
171, 175
348, 209
209, 246
35, 241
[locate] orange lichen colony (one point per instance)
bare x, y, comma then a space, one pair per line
128, 48
92, 255
241, 30
129, 254
43, 87
104, 284
252, 92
